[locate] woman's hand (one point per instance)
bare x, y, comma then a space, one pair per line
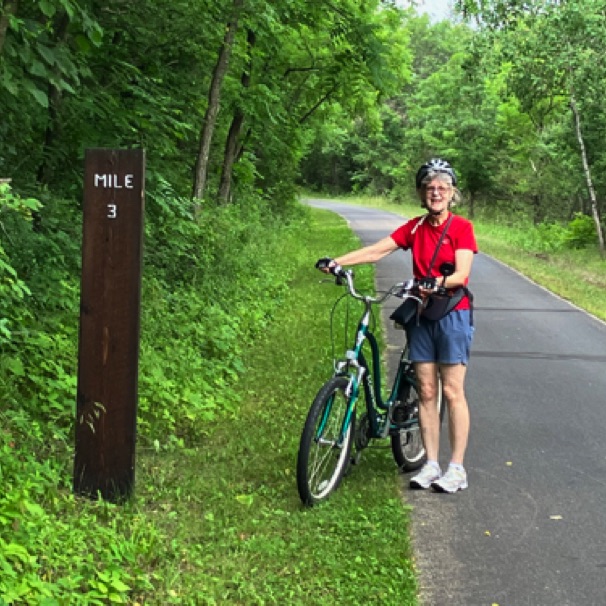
427, 287
328, 266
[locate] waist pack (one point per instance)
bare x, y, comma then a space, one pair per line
437, 307
405, 312
440, 305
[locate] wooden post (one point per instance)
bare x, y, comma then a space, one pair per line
108, 358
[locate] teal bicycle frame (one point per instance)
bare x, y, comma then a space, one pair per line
355, 366
332, 427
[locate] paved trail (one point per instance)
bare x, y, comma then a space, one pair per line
531, 528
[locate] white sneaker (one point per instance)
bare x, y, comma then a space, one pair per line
452, 481
429, 473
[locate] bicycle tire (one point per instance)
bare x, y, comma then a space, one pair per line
321, 461
407, 444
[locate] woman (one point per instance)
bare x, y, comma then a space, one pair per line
437, 347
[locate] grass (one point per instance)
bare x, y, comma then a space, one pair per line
579, 276
236, 532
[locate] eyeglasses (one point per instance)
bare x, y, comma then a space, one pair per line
438, 190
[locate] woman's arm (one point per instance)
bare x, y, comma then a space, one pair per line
369, 254
463, 261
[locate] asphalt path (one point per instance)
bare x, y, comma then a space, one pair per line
531, 528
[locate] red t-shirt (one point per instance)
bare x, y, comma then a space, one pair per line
423, 240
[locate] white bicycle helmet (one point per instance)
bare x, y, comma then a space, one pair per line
436, 165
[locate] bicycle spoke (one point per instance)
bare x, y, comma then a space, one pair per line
324, 452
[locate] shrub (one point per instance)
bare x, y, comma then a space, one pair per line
209, 288
580, 232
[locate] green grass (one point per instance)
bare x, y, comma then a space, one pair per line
579, 276
236, 532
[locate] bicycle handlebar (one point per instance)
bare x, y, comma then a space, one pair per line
403, 290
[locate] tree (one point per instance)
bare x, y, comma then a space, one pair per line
594, 203
233, 143
41, 58
559, 56
214, 96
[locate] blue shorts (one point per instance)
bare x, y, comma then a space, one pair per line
446, 341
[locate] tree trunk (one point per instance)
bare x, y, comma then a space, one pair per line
537, 209
472, 204
229, 158
231, 144
594, 202
8, 8
212, 111
536, 200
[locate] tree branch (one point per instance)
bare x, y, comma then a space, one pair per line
327, 96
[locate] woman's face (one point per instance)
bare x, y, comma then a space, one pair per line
438, 194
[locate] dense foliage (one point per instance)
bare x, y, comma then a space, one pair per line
202, 310
237, 103
511, 93
222, 94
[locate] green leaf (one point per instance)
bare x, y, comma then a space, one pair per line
39, 96
245, 499
32, 203
9, 84
96, 35
83, 43
47, 53
17, 551
118, 585
4, 331
34, 509
15, 366
38, 69
47, 8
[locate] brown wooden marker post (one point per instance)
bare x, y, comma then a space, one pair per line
108, 358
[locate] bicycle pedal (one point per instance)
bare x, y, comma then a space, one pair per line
401, 413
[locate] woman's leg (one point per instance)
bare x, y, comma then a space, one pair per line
453, 385
429, 418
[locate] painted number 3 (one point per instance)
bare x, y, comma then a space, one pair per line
112, 211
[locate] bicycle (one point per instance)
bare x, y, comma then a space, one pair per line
331, 430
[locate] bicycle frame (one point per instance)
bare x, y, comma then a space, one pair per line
360, 374
332, 430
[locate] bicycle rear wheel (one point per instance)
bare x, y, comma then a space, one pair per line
407, 444
324, 452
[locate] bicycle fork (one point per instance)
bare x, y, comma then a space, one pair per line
351, 393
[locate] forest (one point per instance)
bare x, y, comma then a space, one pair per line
241, 105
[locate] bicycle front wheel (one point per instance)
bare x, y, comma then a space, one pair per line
407, 444
324, 450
